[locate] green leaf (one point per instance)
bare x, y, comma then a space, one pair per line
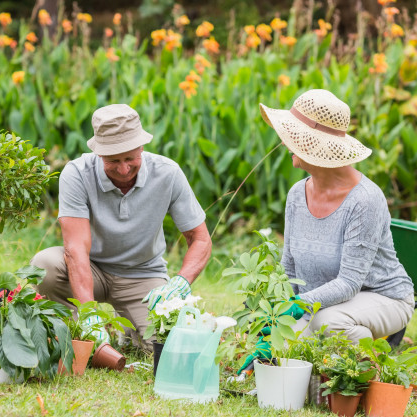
16, 349
286, 331
277, 341
40, 340
266, 306
149, 332
208, 147
8, 281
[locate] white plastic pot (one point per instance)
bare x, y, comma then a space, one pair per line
6, 379
283, 387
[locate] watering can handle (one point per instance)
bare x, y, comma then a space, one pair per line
181, 318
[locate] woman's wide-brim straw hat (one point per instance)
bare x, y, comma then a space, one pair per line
314, 129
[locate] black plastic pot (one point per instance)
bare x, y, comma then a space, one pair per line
157, 349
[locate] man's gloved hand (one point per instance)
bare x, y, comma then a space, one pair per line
263, 350
294, 311
177, 286
91, 326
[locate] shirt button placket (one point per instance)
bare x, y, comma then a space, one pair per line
124, 210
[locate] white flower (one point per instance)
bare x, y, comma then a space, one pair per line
191, 300
208, 321
163, 309
189, 320
266, 232
176, 303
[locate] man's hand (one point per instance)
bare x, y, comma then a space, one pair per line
177, 286
92, 327
294, 311
262, 350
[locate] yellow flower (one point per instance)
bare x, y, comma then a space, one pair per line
172, 40
278, 24
44, 18
158, 36
31, 37
264, 32
284, 80
117, 19
380, 64
84, 17
203, 30
288, 40
253, 41
18, 77
29, 47
67, 26
5, 41
397, 30
182, 21
111, 56
5, 19
211, 45
249, 29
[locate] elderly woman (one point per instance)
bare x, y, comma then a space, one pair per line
337, 225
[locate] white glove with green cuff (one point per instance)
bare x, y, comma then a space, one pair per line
92, 326
177, 286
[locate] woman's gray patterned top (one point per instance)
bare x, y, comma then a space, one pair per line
348, 251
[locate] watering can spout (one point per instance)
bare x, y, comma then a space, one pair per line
204, 362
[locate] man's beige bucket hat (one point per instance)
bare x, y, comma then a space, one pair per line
117, 129
315, 129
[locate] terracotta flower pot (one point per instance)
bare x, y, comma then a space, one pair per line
386, 400
157, 350
107, 357
344, 405
82, 352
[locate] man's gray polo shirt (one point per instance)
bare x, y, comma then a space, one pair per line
126, 230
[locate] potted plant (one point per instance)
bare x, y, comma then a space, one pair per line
388, 395
348, 376
283, 381
33, 335
164, 317
84, 339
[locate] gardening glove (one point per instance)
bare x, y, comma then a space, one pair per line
262, 350
101, 335
294, 311
177, 286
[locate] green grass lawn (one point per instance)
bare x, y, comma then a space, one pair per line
110, 393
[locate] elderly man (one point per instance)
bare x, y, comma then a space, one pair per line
112, 204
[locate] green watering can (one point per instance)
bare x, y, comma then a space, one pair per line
186, 368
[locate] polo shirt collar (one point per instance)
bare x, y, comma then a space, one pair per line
105, 182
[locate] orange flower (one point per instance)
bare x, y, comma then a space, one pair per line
264, 32
391, 11
201, 64
44, 18
67, 26
5, 41
396, 31
31, 37
13, 44
84, 17
380, 64
385, 2
249, 29
172, 40
192, 76
108, 33
203, 30
284, 80
189, 88
29, 47
5, 19
324, 28
278, 24
111, 56
18, 77
253, 41
158, 36
288, 40
182, 21
211, 45
117, 19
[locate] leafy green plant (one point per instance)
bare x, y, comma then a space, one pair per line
80, 330
33, 335
24, 176
268, 296
393, 369
349, 373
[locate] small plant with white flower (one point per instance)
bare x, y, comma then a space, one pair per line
165, 315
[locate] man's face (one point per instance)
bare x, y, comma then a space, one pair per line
123, 167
